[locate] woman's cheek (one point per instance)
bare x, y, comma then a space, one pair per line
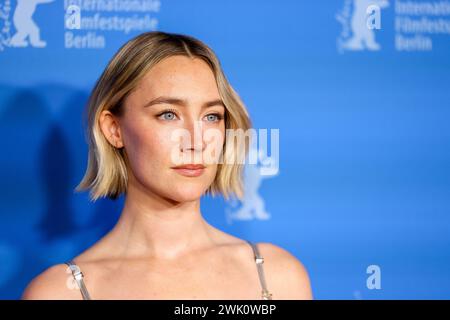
161, 144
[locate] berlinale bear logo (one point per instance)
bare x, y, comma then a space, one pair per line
27, 31
359, 19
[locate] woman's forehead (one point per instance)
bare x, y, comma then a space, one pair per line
179, 76
178, 68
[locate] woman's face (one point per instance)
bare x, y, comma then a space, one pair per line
174, 117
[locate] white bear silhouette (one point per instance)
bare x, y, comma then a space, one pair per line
363, 37
25, 25
253, 204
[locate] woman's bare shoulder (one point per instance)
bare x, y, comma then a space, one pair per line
286, 276
55, 283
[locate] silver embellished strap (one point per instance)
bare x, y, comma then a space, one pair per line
78, 276
259, 264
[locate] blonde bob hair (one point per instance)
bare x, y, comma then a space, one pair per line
106, 174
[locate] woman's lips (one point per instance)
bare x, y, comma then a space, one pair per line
190, 170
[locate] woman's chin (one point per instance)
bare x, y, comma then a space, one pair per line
186, 193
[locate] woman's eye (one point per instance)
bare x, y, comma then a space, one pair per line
167, 115
214, 117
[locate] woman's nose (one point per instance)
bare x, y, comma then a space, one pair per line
194, 140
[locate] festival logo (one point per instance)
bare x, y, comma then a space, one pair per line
27, 32
360, 19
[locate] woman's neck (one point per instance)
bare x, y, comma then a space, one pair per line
150, 226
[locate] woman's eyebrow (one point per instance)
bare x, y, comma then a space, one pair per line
182, 102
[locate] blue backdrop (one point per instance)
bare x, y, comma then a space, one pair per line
360, 95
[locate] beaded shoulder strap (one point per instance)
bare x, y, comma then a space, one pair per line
259, 265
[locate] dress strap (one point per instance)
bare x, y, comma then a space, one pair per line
78, 276
259, 265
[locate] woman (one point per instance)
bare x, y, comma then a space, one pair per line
151, 107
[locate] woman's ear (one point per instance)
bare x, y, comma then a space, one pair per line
109, 124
